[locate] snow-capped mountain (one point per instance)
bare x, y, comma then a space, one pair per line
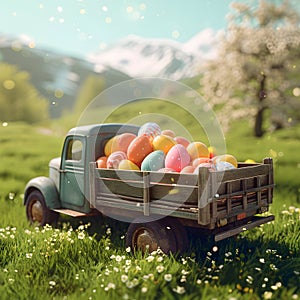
138, 56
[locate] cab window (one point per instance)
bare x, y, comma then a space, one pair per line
74, 150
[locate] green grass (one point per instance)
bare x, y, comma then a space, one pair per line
77, 261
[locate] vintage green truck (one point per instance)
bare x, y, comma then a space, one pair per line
159, 207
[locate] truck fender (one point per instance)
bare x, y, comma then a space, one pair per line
48, 189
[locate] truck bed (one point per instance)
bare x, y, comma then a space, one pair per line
208, 200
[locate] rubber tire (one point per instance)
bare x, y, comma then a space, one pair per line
180, 233
37, 211
146, 229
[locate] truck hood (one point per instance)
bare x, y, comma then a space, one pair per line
55, 163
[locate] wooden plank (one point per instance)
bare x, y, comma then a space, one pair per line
146, 194
120, 187
124, 175
92, 168
203, 196
241, 173
173, 178
258, 195
229, 193
244, 189
268, 161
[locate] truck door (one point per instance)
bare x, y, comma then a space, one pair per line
72, 173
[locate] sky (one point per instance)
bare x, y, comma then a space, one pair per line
80, 27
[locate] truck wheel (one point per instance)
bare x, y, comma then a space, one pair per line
179, 232
37, 210
146, 234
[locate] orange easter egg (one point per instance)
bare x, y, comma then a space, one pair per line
138, 149
101, 162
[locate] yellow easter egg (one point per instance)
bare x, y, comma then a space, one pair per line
126, 164
197, 149
108, 145
163, 143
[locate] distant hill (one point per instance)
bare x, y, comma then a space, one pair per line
56, 76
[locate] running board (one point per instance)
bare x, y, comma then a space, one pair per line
74, 213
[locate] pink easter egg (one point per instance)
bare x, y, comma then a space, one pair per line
114, 159
177, 158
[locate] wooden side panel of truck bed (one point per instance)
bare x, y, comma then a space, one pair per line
206, 199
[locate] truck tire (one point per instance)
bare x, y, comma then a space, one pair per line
180, 233
37, 210
147, 235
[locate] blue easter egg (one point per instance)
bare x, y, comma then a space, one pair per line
153, 161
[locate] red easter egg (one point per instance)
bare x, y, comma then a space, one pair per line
138, 149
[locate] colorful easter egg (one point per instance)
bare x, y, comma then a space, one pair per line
101, 162
209, 166
121, 142
108, 146
200, 160
126, 164
182, 140
187, 170
197, 149
224, 165
150, 129
250, 161
227, 158
114, 159
169, 132
138, 149
177, 158
153, 161
163, 142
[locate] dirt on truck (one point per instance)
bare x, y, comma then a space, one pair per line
158, 206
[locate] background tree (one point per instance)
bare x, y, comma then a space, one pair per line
256, 73
19, 100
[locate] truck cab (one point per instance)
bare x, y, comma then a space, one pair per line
66, 190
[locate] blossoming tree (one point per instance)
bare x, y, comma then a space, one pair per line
256, 73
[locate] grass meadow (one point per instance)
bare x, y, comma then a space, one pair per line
87, 259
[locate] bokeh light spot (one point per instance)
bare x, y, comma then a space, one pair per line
9, 84
296, 91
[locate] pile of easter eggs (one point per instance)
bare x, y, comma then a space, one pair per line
153, 149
